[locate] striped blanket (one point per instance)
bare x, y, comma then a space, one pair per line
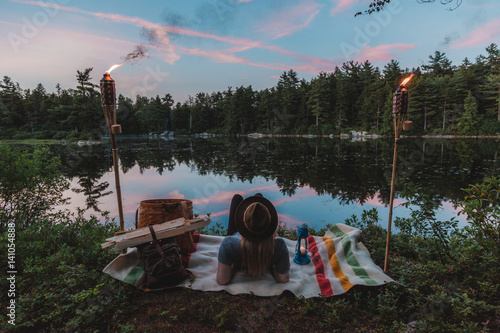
339, 261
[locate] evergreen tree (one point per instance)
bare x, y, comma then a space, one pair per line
392, 75
319, 100
13, 114
304, 117
439, 64
289, 100
86, 112
231, 117
180, 117
126, 116
493, 58
469, 120
368, 98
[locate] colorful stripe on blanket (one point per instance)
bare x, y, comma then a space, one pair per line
339, 261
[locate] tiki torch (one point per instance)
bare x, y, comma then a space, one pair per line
108, 98
399, 111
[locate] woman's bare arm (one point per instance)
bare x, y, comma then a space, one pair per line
280, 278
224, 273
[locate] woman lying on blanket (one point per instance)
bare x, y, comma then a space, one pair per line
251, 242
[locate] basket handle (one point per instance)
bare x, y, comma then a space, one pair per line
184, 210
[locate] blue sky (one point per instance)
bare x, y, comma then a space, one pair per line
206, 46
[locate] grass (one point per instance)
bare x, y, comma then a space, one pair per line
63, 289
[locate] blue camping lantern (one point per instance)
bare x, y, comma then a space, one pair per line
301, 249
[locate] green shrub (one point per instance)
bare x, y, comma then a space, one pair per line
30, 184
60, 285
313, 129
302, 129
431, 237
22, 135
490, 127
59, 135
482, 207
373, 236
327, 129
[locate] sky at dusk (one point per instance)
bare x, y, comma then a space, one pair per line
205, 46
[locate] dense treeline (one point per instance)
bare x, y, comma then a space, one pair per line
444, 99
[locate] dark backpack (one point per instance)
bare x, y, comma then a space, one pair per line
162, 263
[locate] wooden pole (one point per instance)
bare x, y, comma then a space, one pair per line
116, 129
397, 130
391, 204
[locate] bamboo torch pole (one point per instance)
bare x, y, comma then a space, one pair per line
116, 129
108, 97
399, 109
397, 122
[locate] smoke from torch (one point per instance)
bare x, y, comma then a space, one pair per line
138, 53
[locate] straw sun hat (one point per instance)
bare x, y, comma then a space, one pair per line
256, 218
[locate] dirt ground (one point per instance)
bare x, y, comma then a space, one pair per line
185, 310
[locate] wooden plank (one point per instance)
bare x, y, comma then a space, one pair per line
145, 230
107, 244
161, 234
164, 230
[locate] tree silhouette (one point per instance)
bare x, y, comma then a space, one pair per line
378, 5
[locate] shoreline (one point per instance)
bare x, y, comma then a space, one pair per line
253, 136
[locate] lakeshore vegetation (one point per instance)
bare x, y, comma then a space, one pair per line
445, 98
448, 278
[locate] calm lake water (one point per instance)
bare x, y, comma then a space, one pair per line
312, 180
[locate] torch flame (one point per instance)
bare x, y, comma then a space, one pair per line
405, 81
113, 67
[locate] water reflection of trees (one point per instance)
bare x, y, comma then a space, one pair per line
88, 164
348, 171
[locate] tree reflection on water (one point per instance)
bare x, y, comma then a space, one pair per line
350, 172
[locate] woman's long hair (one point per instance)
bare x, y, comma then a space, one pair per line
256, 256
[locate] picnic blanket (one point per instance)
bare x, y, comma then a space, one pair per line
339, 261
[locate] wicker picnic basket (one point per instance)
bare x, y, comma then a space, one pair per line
156, 211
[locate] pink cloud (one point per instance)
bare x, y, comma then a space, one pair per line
302, 193
281, 27
376, 201
176, 195
285, 67
451, 207
290, 20
160, 30
219, 56
289, 220
325, 64
220, 213
78, 48
382, 52
226, 196
342, 5
482, 35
